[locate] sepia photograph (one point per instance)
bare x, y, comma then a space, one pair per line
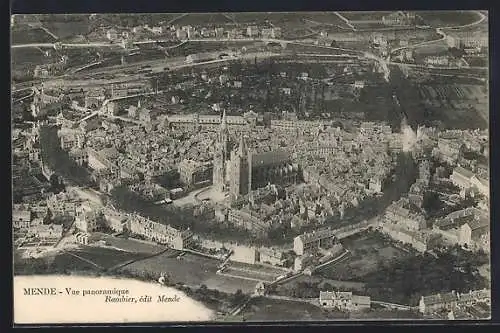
250, 167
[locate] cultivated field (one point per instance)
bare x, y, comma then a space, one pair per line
201, 19
191, 270
431, 49
264, 309
130, 245
310, 286
82, 260
385, 314
448, 18
67, 25
364, 16
367, 251
105, 257
262, 273
30, 35
457, 105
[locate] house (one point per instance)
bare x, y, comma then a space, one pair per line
252, 31
132, 111
112, 34
156, 30
481, 185
286, 91
461, 177
82, 238
471, 232
450, 301
21, 219
88, 220
219, 32
181, 34
433, 303
47, 233
80, 156
473, 297
271, 256
312, 241
158, 232
276, 32
437, 60
344, 300
359, 84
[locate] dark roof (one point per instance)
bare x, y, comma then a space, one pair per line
270, 158
479, 223
464, 172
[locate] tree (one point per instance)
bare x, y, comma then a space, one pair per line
48, 217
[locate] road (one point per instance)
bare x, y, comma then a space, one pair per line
443, 35
66, 45
157, 66
346, 21
25, 97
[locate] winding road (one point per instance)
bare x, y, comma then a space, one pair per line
443, 34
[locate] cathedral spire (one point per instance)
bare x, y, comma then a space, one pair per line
242, 150
224, 120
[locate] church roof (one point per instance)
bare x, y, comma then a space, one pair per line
270, 158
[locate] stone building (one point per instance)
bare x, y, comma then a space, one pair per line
238, 170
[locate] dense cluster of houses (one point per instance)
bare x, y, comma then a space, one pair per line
452, 300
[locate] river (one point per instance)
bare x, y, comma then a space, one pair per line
72, 303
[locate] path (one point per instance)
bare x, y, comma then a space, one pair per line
49, 32
442, 33
83, 259
129, 262
175, 19
346, 21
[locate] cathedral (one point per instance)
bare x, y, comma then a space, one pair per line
238, 171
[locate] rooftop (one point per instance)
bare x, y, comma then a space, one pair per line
270, 158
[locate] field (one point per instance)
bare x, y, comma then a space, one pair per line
192, 270
364, 16
368, 250
477, 61
264, 309
432, 49
105, 257
310, 286
457, 105
200, 19
30, 55
69, 262
64, 26
448, 18
262, 273
385, 314
30, 35
130, 245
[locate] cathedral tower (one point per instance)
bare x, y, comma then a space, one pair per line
240, 168
221, 156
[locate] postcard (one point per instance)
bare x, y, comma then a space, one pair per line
250, 167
